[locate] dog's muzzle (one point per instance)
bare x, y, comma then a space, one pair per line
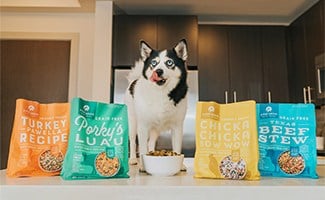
157, 77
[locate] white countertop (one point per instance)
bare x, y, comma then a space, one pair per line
143, 186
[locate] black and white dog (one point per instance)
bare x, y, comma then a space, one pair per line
157, 98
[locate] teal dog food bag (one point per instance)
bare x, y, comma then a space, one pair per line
98, 141
287, 140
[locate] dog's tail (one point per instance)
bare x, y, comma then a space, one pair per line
136, 71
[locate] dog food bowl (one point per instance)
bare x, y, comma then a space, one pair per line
163, 165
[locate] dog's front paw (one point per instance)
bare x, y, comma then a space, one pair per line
133, 161
184, 168
141, 169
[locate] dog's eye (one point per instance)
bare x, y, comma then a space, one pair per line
169, 63
153, 63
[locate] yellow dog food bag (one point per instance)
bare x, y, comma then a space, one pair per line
39, 138
226, 141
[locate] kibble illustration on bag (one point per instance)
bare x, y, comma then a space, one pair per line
98, 146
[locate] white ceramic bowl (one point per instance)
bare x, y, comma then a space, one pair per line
162, 165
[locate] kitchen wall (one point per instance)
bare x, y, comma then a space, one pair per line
90, 51
93, 68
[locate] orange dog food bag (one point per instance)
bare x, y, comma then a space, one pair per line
39, 139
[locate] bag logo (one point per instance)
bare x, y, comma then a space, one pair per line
30, 108
211, 109
86, 108
210, 112
269, 111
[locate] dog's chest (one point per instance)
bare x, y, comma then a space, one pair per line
154, 104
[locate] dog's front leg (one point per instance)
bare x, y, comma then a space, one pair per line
143, 135
132, 137
177, 139
153, 136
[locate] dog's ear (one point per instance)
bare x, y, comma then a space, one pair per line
145, 50
181, 49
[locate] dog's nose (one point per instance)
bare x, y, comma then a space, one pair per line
159, 72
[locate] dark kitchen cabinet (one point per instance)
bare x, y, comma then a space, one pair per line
213, 63
250, 60
159, 32
127, 33
171, 29
315, 44
245, 62
306, 36
274, 61
314, 31
297, 69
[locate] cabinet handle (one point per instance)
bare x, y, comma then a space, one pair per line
235, 97
309, 95
304, 92
318, 82
307, 99
226, 97
269, 96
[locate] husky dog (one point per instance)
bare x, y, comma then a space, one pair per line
157, 98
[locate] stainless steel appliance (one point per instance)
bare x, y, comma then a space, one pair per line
164, 141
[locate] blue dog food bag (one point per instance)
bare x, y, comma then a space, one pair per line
98, 141
287, 140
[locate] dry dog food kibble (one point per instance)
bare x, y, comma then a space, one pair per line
163, 153
291, 164
106, 166
50, 162
231, 169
